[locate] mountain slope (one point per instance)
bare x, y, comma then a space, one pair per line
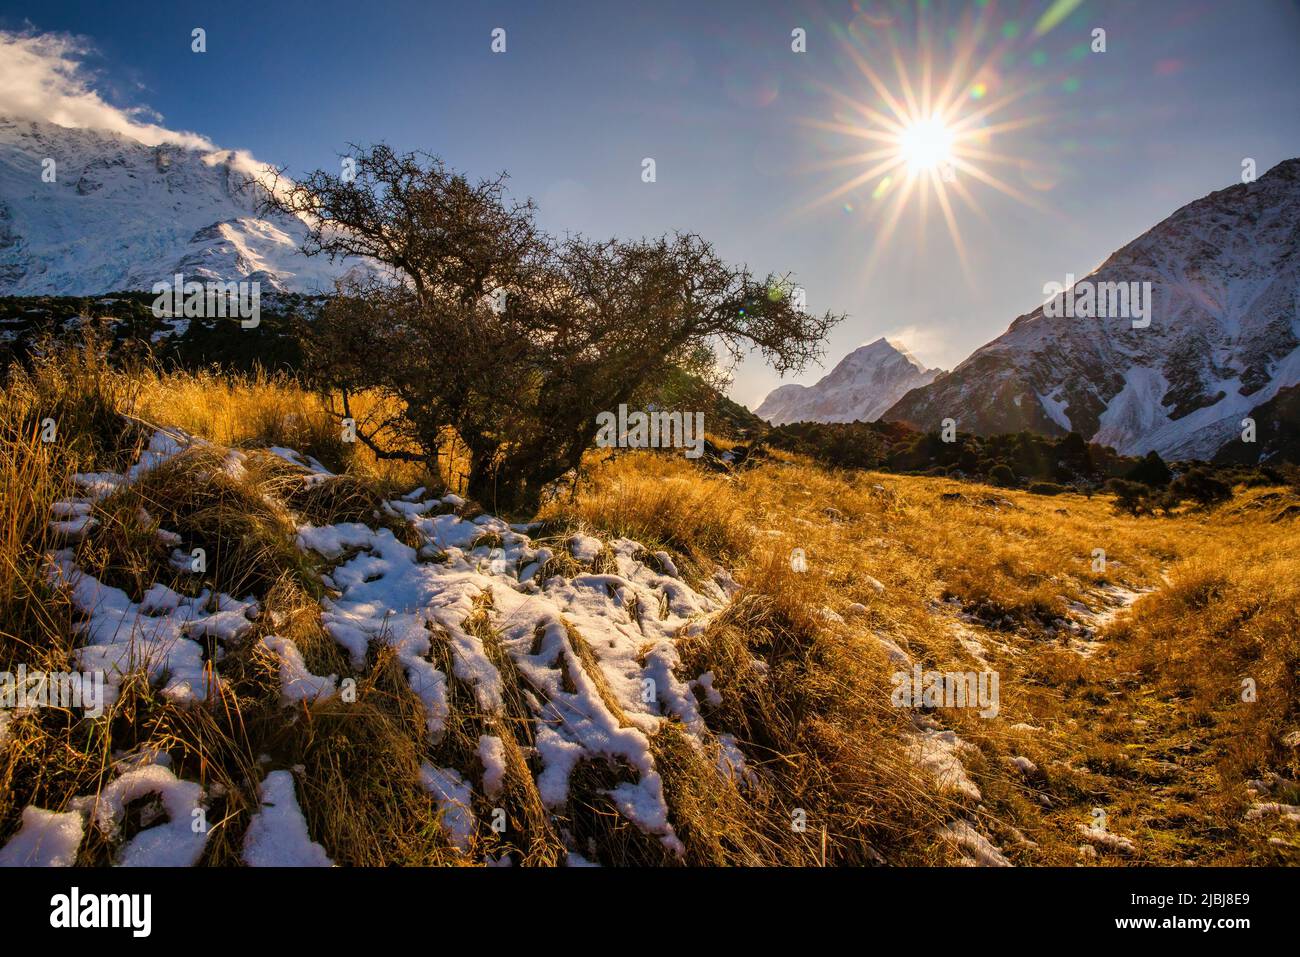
1277, 433
121, 215
862, 385
1224, 337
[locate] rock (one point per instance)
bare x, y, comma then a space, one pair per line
897, 655
1100, 837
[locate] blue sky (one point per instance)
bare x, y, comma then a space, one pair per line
1111, 143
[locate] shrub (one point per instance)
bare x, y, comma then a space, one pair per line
1201, 486
1131, 497
1046, 488
1151, 471
1002, 475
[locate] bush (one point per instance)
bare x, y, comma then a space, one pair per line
1201, 486
1131, 497
1151, 471
1047, 488
1002, 475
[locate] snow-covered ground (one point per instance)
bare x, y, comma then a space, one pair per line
458, 580
625, 605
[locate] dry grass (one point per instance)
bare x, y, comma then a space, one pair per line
1013, 565
1147, 722
655, 501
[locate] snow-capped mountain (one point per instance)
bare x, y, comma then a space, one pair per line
122, 215
862, 385
1223, 338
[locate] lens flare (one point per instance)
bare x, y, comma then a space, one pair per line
930, 136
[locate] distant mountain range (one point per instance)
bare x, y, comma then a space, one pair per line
862, 385
1224, 273
1223, 338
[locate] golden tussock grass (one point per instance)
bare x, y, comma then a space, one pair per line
1144, 719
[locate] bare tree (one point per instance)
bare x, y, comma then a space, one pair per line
509, 337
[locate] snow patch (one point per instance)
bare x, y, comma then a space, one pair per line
173, 843
452, 792
277, 834
45, 839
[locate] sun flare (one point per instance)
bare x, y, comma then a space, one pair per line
925, 134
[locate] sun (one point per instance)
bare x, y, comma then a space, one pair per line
926, 144
927, 136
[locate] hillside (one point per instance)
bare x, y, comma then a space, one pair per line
120, 215
368, 669
1223, 338
1277, 433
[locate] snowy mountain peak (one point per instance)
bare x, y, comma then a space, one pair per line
882, 350
901, 349
1222, 337
86, 211
862, 385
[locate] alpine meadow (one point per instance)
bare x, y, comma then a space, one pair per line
381, 486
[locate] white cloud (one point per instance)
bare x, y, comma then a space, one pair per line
43, 77
928, 345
